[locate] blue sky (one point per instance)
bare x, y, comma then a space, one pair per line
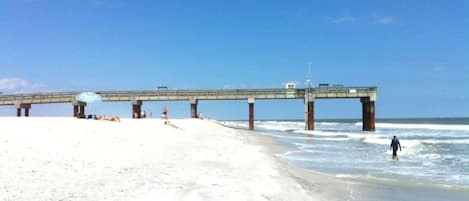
416, 52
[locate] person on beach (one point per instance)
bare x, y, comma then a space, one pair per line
107, 118
394, 145
165, 115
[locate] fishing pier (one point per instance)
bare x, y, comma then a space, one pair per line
366, 95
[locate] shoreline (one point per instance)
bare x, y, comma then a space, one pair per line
359, 188
324, 185
78, 159
327, 186
364, 188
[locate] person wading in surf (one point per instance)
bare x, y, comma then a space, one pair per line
394, 144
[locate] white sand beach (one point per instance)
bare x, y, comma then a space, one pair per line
76, 159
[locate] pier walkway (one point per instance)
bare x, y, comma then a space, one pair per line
367, 96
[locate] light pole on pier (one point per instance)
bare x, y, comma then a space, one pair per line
309, 79
309, 104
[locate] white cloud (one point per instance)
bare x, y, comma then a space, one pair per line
385, 20
344, 19
12, 83
17, 85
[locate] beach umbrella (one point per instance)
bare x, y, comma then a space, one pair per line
89, 97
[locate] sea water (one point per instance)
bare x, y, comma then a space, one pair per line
434, 151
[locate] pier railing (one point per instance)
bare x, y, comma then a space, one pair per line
215, 94
367, 96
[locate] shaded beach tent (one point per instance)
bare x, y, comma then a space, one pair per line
89, 97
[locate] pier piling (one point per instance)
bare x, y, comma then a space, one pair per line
309, 104
79, 109
20, 106
194, 108
368, 114
137, 109
251, 113
75, 110
81, 112
311, 115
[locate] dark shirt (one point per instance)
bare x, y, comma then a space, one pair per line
395, 144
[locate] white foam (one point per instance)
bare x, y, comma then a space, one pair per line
447, 141
322, 133
329, 123
348, 176
332, 139
278, 127
288, 137
420, 126
376, 140
432, 156
303, 146
291, 123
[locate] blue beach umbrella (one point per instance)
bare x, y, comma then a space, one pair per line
89, 97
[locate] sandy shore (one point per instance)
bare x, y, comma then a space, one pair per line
76, 159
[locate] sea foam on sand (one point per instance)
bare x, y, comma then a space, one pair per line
76, 159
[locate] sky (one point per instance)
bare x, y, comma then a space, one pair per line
415, 52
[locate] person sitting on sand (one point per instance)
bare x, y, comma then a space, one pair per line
111, 118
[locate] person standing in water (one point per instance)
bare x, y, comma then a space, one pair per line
394, 145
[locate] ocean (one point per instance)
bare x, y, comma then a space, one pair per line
434, 151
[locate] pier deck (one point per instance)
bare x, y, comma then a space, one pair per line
185, 95
367, 96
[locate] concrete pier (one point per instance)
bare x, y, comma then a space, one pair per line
311, 115
368, 113
367, 95
75, 110
136, 109
309, 101
81, 112
20, 106
251, 113
194, 108
79, 109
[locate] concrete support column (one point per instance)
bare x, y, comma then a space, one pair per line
81, 112
26, 107
311, 115
75, 111
26, 112
20, 106
309, 110
137, 109
251, 113
79, 109
368, 114
194, 108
